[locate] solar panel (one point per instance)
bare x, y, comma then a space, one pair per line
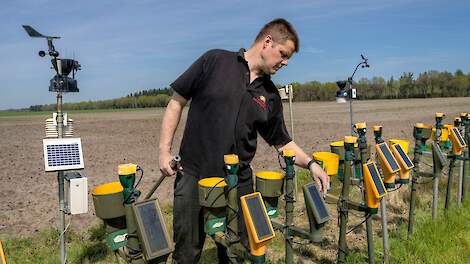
151, 229
315, 202
404, 157
261, 221
63, 154
459, 136
389, 157
374, 173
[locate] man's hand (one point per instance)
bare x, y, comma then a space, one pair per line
165, 160
320, 177
170, 122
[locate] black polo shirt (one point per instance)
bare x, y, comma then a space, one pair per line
226, 112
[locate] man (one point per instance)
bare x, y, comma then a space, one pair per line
232, 100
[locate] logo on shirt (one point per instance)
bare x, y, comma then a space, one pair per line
261, 101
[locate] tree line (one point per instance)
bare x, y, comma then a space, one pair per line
426, 85
140, 99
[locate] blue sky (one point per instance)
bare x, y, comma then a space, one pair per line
126, 46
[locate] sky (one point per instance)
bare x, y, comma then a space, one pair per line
133, 45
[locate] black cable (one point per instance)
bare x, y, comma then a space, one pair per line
427, 164
358, 225
396, 189
279, 160
212, 188
141, 176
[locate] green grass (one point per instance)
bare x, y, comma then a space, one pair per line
43, 247
445, 240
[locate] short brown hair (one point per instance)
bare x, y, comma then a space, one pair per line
281, 30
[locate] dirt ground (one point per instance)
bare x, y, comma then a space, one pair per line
29, 196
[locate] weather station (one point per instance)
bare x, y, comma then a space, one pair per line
63, 153
349, 93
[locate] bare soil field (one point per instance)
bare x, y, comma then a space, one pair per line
29, 196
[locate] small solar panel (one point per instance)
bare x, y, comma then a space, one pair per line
374, 173
151, 229
315, 202
459, 136
404, 156
389, 157
260, 219
63, 154
258, 224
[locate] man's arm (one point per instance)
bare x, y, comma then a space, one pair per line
170, 122
302, 160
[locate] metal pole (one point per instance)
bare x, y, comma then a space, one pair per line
436, 169
370, 236
343, 200
449, 183
289, 197
60, 179
351, 114
418, 135
460, 183
231, 179
383, 204
466, 156
290, 93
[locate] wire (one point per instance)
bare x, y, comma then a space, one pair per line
212, 188
141, 176
427, 164
279, 160
66, 227
396, 189
358, 225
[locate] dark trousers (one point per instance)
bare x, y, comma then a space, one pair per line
188, 222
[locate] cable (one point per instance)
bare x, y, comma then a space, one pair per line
427, 164
279, 160
66, 227
396, 189
358, 225
212, 188
141, 176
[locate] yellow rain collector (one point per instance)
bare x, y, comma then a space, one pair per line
329, 160
270, 185
212, 198
108, 200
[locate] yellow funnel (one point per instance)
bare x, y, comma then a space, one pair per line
405, 144
330, 161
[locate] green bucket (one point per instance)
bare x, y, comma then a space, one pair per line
108, 201
212, 192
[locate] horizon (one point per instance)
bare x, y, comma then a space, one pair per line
135, 46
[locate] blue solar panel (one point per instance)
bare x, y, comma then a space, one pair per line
260, 218
403, 155
389, 157
153, 226
63, 155
459, 137
318, 202
374, 173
